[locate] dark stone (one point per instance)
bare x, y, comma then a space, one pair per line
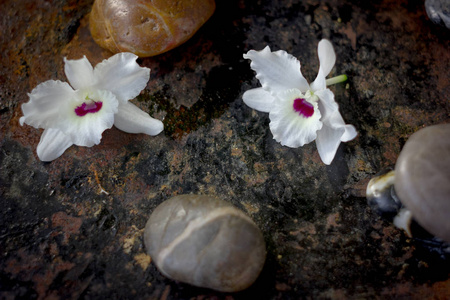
385, 203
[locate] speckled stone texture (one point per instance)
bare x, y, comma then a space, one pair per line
73, 228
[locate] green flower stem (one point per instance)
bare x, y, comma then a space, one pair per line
337, 79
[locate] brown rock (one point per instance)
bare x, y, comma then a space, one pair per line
147, 28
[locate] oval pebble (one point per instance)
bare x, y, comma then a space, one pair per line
422, 178
206, 242
147, 28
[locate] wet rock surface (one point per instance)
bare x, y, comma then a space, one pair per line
74, 227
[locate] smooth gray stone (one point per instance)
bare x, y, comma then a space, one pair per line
206, 242
438, 11
422, 178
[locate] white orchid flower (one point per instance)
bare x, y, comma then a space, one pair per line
96, 99
299, 112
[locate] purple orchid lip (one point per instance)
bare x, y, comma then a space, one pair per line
303, 107
86, 108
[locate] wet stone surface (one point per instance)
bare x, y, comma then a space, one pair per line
73, 228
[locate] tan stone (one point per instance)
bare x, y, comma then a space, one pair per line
147, 28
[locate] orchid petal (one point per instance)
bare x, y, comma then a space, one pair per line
333, 132
258, 99
79, 72
52, 145
319, 83
132, 119
349, 134
121, 75
87, 130
47, 100
277, 71
330, 115
327, 59
328, 141
288, 126
327, 104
